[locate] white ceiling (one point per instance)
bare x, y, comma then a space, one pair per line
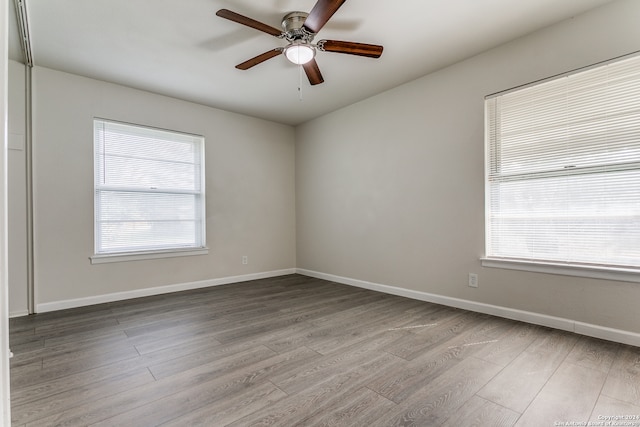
182, 49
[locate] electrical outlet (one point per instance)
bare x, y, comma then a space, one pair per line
473, 280
245, 260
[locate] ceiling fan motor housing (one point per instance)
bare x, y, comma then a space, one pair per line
292, 24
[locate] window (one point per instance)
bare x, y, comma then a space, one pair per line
563, 170
149, 190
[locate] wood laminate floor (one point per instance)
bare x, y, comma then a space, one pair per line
297, 351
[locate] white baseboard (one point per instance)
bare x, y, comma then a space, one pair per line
119, 296
18, 313
596, 331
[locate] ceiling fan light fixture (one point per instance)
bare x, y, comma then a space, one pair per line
300, 53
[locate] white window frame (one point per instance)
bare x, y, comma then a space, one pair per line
603, 270
102, 255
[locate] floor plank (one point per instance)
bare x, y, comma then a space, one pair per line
623, 382
363, 407
520, 382
478, 412
444, 396
511, 345
81, 395
593, 353
569, 395
232, 409
608, 409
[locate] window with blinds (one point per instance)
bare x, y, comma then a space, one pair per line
149, 189
563, 169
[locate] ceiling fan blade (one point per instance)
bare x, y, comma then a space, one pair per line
351, 48
241, 19
259, 59
320, 14
313, 72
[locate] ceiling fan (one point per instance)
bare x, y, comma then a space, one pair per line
299, 29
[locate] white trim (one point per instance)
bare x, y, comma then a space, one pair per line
138, 256
119, 296
31, 289
596, 331
18, 313
605, 333
594, 272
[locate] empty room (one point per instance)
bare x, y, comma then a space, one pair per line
320, 212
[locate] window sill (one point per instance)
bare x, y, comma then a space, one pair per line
591, 271
138, 256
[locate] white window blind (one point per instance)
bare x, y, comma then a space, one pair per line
149, 189
563, 171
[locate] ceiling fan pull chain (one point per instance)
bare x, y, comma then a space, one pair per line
300, 82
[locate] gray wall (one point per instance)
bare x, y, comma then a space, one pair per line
249, 189
391, 190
